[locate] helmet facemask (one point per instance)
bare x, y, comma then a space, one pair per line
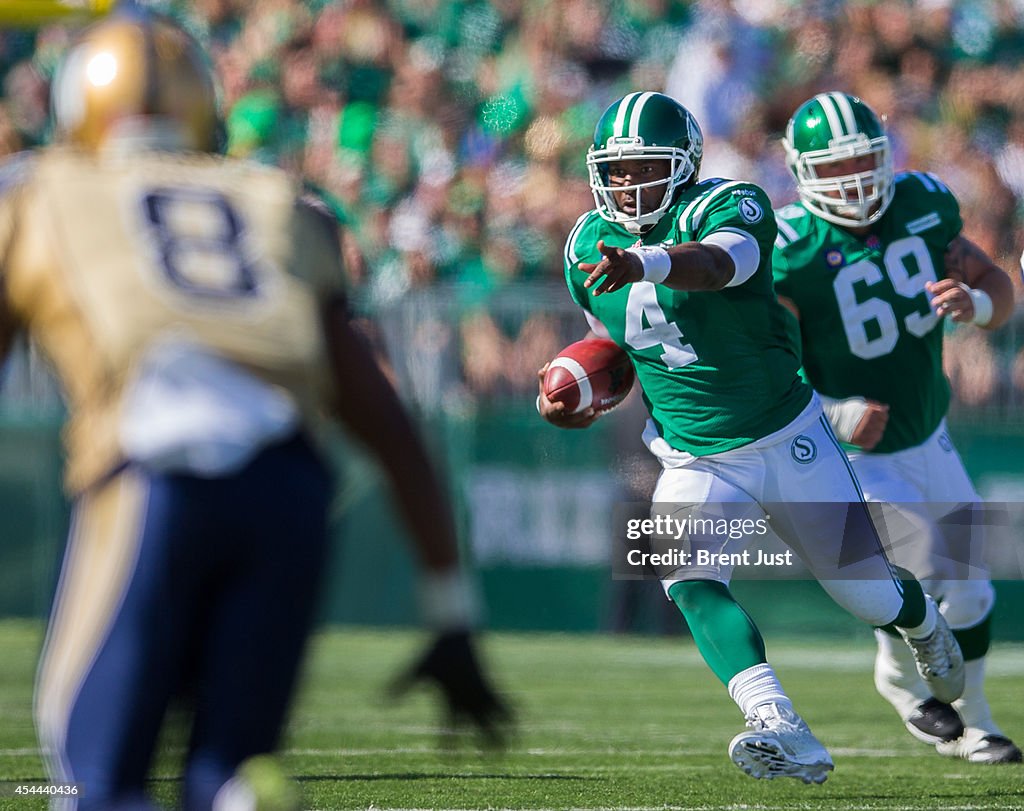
681, 170
833, 127
643, 126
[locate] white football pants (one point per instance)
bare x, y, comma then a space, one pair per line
921, 486
781, 477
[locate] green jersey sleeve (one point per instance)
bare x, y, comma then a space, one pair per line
581, 246
730, 206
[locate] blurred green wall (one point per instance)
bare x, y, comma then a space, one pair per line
529, 500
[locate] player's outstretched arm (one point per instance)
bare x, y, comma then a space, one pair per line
690, 266
368, 406
975, 291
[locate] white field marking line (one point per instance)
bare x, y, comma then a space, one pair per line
1003, 660
576, 751
733, 807
308, 722
569, 751
860, 752
433, 753
395, 750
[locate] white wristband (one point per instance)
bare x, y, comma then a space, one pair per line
656, 261
448, 600
982, 306
844, 415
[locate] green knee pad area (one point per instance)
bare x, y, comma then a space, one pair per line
723, 632
975, 641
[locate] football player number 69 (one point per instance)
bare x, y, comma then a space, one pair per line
856, 315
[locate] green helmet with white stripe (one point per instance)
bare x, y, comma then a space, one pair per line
643, 126
835, 127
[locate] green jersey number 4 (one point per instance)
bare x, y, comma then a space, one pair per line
642, 306
857, 315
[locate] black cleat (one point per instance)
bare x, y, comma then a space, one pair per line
977, 746
997, 749
934, 722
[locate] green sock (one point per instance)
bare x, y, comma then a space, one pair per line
974, 641
913, 610
723, 632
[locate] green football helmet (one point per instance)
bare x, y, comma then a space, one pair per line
834, 127
637, 126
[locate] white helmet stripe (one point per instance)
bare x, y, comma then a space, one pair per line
66, 98
831, 114
620, 115
844, 106
638, 108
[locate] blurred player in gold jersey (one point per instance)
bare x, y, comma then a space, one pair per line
192, 308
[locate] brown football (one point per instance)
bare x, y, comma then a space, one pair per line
594, 372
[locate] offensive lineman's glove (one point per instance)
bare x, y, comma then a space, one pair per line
451, 663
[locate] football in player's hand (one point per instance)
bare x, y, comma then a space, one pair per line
594, 372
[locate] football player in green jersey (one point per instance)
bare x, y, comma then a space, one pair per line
871, 262
677, 271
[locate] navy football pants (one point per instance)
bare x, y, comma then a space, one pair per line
176, 584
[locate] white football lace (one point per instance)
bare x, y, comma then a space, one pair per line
772, 716
931, 653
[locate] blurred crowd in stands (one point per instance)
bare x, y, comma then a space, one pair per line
450, 135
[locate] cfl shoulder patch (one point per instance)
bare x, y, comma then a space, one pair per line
750, 210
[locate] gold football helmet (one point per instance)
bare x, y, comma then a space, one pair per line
135, 73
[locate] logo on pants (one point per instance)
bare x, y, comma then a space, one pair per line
803, 450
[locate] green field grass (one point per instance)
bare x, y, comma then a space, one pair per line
609, 723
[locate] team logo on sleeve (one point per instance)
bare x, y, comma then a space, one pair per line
750, 211
803, 450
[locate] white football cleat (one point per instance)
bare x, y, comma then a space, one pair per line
898, 682
939, 661
779, 744
980, 746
